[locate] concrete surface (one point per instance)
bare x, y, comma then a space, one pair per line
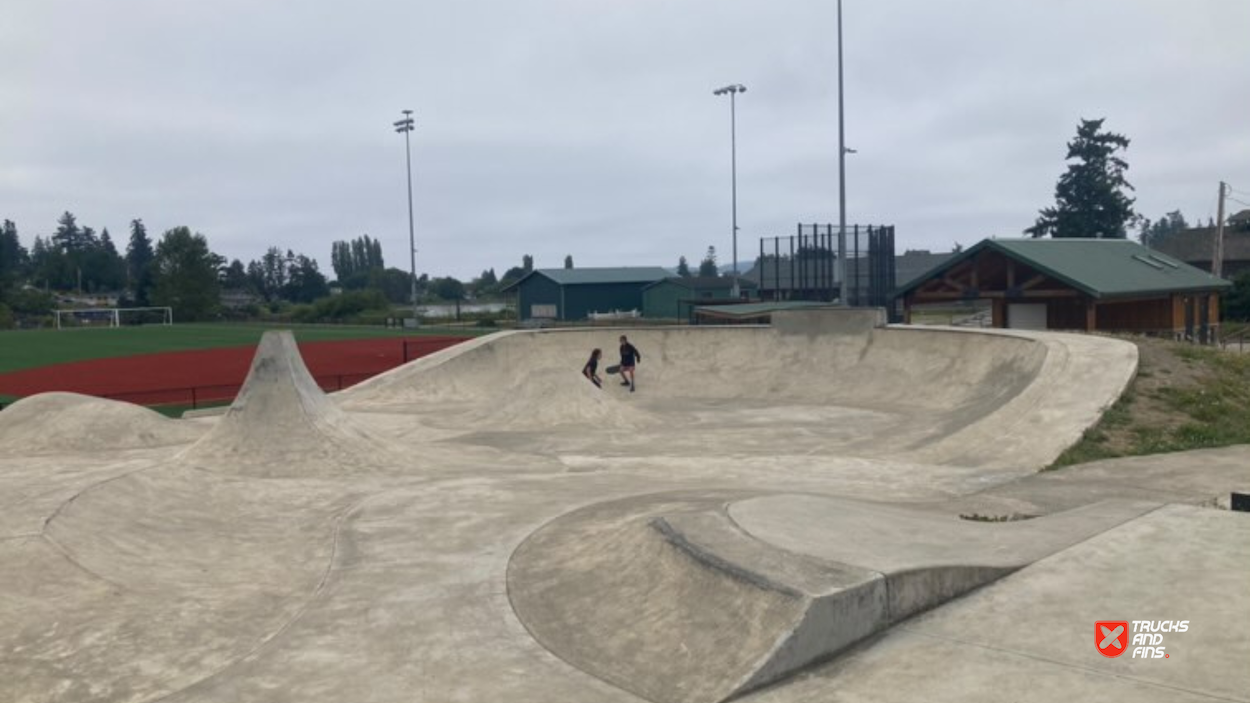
1027, 638
432, 534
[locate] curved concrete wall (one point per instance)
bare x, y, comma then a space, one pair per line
954, 390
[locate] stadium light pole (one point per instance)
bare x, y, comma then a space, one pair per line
732, 91
842, 152
405, 126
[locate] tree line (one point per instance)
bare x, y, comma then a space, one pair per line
179, 269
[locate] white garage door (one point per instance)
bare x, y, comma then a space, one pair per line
1026, 316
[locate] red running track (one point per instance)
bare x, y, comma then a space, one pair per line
193, 377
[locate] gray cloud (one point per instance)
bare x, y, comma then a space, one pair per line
588, 126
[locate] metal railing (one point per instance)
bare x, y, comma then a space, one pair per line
1239, 337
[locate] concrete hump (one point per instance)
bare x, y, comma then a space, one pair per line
665, 597
672, 598
60, 422
283, 425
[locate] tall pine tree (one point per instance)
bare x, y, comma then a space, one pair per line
1089, 199
139, 255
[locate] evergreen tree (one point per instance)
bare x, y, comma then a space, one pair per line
68, 236
568, 261
103, 268
683, 267
527, 263
139, 257
13, 258
106, 242
1155, 233
707, 267
87, 239
1089, 198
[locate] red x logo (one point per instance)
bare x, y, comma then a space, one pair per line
1111, 637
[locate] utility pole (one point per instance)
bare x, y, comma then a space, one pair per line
405, 126
1217, 258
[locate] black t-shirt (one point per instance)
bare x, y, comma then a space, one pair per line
591, 366
629, 355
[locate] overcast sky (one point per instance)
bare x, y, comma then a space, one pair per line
588, 127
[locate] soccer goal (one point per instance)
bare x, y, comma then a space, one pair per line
113, 317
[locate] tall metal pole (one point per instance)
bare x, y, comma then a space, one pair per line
733, 91
406, 125
733, 170
841, 171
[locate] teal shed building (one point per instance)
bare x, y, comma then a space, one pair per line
676, 297
573, 294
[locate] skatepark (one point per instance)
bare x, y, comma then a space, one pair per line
773, 515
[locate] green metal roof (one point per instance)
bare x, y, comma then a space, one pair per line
619, 274
704, 282
755, 309
1100, 268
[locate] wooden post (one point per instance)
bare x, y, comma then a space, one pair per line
1178, 315
1091, 315
1217, 257
1213, 319
998, 316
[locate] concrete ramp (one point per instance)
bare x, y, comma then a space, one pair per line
283, 425
548, 398
678, 598
935, 396
65, 422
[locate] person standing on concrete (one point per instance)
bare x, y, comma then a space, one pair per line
591, 369
630, 357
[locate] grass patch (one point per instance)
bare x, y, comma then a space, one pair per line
27, 349
1184, 397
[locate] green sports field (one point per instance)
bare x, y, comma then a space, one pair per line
26, 349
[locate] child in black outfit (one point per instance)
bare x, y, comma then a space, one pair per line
591, 369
